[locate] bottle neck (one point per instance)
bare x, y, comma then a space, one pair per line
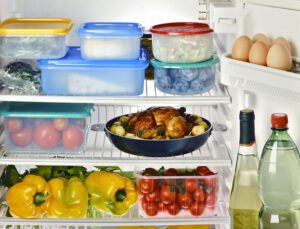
247, 138
248, 149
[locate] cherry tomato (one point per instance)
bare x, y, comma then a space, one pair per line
162, 207
147, 185
201, 170
190, 185
173, 209
199, 195
13, 125
46, 136
167, 196
60, 123
152, 196
72, 137
144, 203
23, 137
212, 182
211, 200
197, 208
184, 200
150, 171
151, 209
171, 172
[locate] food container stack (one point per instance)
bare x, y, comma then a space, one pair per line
184, 61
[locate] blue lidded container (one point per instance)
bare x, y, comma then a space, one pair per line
72, 75
110, 40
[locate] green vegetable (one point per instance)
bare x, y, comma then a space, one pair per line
10, 176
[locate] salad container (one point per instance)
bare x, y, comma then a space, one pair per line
185, 79
182, 42
73, 75
177, 195
45, 128
34, 38
110, 40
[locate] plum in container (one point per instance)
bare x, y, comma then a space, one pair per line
110, 40
73, 75
45, 128
185, 79
182, 42
34, 38
177, 192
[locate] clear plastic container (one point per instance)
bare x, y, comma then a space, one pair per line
73, 75
185, 79
34, 38
177, 196
45, 128
110, 40
182, 42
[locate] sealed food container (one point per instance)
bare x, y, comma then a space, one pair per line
45, 127
110, 40
182, 42
73, 75
177, 192
185, 79
34, 38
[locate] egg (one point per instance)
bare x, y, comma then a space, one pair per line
284, 42
263, 38
279, 57
241, 48
258, 53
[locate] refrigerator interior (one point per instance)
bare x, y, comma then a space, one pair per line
221, 105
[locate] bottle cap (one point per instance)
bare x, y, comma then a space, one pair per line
279, 120
247, 115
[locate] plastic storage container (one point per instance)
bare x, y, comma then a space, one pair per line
45, 128
185, 79
73, 75
34, 38
182, 42
110, 40
177, 196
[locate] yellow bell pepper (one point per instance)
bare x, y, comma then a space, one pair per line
69, 198
110, 192
189, 227
29, 198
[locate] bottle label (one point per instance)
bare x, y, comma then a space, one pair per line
247, 150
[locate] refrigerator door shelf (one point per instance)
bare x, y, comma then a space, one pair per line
260, 79
285, 4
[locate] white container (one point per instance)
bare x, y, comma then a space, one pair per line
110, 41
182, 42
25, 38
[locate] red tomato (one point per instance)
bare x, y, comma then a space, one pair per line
152, 196
190, 185
167, 196
23, 137
197, 209
46, 136
151, 209
150, 171
211, 200
173, 209
72, 137
61, 123
202, 170
147, 185
212, 182
80, 122
162, 207
184, 200
13, 125
199, 195
144, 203
171, 172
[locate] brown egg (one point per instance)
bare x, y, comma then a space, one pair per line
258, 53
241, 48
263, 38
284, 42
279, 57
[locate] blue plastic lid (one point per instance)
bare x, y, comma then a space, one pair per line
73, 59
46, 110
110, 29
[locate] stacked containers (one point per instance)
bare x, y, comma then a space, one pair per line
179, 49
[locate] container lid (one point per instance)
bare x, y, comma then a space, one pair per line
73, 59
158, 64
45, 110
111, 29
279, 120
181, 28
36, 26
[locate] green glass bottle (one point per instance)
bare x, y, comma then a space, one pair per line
245, 203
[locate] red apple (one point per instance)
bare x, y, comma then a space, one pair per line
61, 123
13, 125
